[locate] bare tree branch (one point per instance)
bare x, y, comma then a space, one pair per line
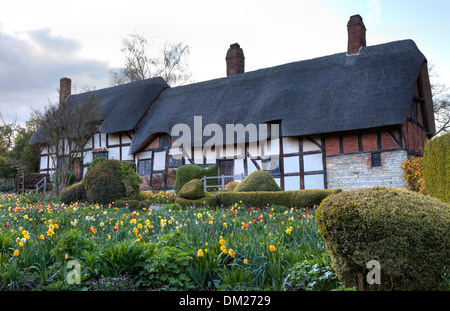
171, 63
66, 128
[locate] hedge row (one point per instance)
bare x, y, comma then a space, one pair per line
436, 167
294, 198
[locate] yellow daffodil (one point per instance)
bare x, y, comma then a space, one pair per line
16, 253
200, 253
272, 248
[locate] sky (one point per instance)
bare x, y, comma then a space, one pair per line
43, 41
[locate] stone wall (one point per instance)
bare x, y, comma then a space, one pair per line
355, 170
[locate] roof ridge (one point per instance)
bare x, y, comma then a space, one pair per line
316, 62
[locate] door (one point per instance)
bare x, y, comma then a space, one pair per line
226, 168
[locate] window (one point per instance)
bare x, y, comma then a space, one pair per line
376, 159
103, 154
145, 167
174, 161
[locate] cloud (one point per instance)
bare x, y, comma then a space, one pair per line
31, 64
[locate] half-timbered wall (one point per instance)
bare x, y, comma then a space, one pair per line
294, 162
110, 146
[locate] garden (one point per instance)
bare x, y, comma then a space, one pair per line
105, 234
162, 248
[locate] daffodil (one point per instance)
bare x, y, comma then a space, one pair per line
272, 248
200, 253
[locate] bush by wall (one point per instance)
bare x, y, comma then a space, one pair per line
294, 198
406, 232
258, 181
413, 174
188, 172
103, 182
436, 167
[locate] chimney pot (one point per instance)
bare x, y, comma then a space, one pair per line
65, 89
356, 34
235, 60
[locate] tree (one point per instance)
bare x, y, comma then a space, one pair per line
170, 63
24, 155
441, 102
7, 132
64, 129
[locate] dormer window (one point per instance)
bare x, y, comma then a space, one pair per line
101, 152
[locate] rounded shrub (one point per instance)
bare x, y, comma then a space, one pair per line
258, 181
103, 182
192, 190
406, 232
74, 193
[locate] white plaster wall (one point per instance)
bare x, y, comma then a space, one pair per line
125, 139
113, 139
88, 157
239, 167
314, 181
96, 140
114, 153
125, 154
159, 161
291, 164
313, 162
290, 145
310, 146
43, 164
291, 183
103, 140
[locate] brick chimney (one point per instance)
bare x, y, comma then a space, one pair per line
356, 34
235, 60
65, 89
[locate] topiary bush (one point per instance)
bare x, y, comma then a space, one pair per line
188, 172
436, 167
208, 200
192, 190
103, 182
406, 232
293, 198
74, 193
258, 181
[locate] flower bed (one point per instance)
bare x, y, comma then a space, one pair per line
166, 248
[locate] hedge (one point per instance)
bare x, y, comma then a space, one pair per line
293, 198
73, 193
258, 181
406, 232
436, 167
188, 172
192, 190
209, 200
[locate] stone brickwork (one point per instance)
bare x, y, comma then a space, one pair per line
351, 171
